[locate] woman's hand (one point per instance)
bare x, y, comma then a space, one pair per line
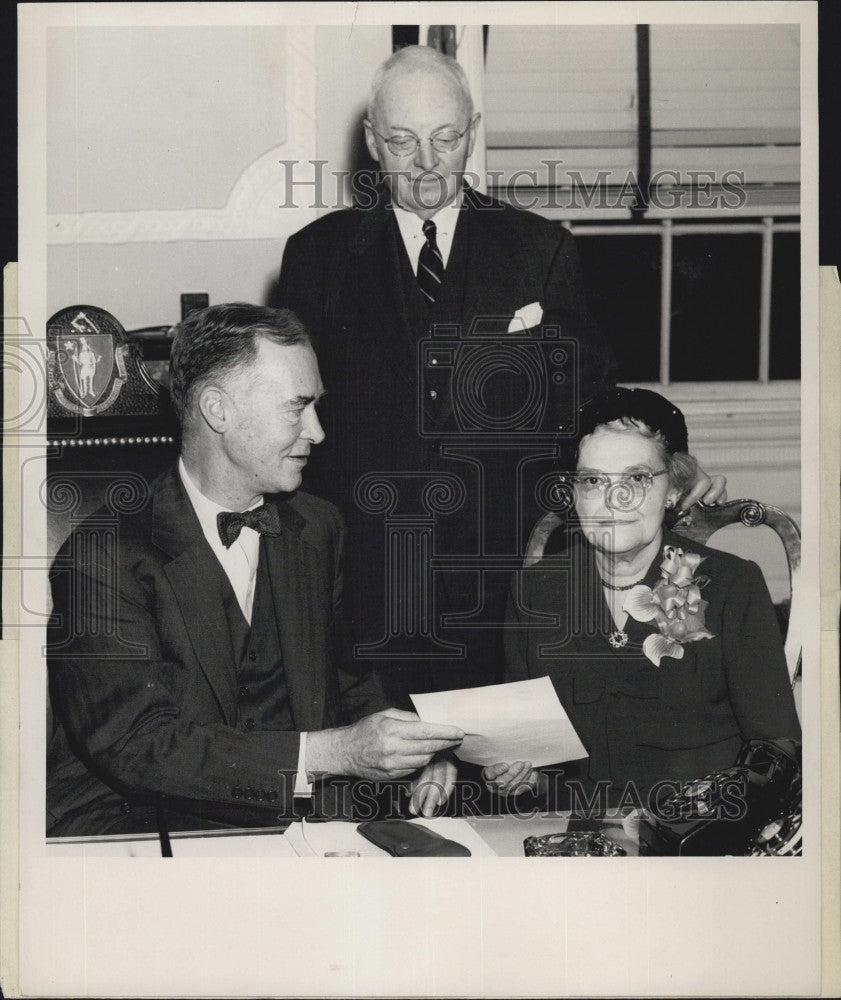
707, 489
512, 779
432, 787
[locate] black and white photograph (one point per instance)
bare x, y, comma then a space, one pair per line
413, 454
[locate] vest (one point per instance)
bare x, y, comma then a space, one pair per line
262, 696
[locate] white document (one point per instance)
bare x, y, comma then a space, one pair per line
504, 723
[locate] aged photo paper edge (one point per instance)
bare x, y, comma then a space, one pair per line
9, 671
827, 737
830, 529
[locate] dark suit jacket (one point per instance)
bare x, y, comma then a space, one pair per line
348, 277
641, 723
143, 677
345, 276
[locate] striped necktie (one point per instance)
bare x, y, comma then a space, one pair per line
430, 264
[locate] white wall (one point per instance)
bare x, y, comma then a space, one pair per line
752, 436
346, 62
163, 149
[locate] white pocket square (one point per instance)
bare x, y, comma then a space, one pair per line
526, 318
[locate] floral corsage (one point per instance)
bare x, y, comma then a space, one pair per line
674, 603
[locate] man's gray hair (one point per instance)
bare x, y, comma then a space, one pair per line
413, 57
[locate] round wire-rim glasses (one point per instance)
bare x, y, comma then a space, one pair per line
590, 485
406, 145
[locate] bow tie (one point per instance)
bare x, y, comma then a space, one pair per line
264, 519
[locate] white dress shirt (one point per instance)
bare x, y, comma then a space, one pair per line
240, 560
240, 565
411, 229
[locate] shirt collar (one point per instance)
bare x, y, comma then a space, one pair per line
205, 508
445, 219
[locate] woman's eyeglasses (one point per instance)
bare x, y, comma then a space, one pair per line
590, 485
406, 145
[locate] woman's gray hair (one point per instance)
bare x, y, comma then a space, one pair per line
683, 471
680, 465
419, 57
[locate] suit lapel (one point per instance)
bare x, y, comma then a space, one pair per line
495, 261
297, 581
377, 289
196, 579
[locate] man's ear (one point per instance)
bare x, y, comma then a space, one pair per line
371, 140
471, 135
214, 406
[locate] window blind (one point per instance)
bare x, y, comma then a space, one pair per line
727, 97
560, 94
562, 103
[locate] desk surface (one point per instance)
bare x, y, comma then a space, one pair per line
485, 836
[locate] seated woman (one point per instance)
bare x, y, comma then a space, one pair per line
665, 654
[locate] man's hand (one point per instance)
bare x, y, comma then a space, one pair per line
383, 746
511, 779
432, 788
708, 490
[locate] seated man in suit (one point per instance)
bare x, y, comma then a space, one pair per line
429, 255
192, 666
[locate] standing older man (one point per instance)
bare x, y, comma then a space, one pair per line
193, 670
431, 254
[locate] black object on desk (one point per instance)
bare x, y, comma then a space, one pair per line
752, 808
402, 839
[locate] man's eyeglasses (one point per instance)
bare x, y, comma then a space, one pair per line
590, 485
406, 144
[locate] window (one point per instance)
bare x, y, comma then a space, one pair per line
672, 152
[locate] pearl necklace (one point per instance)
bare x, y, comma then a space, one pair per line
627, 586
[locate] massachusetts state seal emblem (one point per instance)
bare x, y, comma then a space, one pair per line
88, 359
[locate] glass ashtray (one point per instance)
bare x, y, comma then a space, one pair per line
583, 844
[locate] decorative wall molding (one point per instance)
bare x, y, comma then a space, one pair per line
253, 209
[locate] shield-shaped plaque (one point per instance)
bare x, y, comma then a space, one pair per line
86, 363
88, 352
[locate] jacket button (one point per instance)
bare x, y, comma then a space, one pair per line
252, 655
125, 807
236, 792
433, 394
243, 691
249, 724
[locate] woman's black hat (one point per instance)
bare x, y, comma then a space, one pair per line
643, 405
